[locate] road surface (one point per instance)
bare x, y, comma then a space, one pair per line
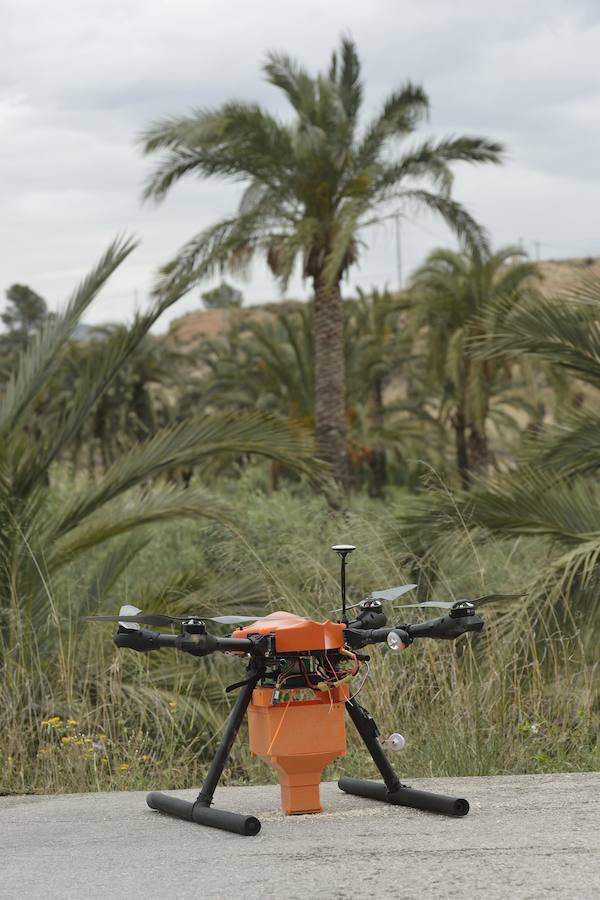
530, 836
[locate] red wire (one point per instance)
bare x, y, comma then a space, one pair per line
336, 674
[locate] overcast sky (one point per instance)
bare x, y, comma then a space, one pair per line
79, 80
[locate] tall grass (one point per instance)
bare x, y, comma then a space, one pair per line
84, 716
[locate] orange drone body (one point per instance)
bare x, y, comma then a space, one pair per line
298, 738
294, 634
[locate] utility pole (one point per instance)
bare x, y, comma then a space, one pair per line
396, 217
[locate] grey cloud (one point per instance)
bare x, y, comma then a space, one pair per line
78, 81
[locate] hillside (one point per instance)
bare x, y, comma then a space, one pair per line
187, 330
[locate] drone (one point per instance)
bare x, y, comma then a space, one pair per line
297, 689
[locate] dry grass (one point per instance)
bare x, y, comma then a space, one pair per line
92, 718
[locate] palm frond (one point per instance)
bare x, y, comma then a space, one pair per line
208, 252
236, 140
39, 360
192, 590
109, 570
402, 111
430, 160
524, 502
349, 84
571, 447
285, 73
137, 509
192, 443
473, 237
563, 331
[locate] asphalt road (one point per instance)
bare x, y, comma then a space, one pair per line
531, 836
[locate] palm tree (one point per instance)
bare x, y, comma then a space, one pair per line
43, 530
380, 348
452, 295
562, 333
311, 186
552, 492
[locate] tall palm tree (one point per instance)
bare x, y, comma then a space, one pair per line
311, 185
452, 296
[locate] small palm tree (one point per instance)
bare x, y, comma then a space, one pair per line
452, 296
562, 333
380, 347
312, 185
552, 492
259, 365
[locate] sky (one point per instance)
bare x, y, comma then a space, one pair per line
79, 81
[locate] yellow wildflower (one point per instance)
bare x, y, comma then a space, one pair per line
67, 739
72, 722
123, 767
173, 704
53, 721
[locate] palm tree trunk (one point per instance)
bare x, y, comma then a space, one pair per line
462, 460
478, 451
379, 461
330, 383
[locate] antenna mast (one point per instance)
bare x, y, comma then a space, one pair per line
343, 550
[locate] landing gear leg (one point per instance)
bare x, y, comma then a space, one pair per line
392, 790
200, 811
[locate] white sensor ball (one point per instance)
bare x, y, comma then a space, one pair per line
396, 742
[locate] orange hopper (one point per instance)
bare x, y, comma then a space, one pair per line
298, 737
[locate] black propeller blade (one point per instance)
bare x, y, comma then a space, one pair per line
388, 594
457, 604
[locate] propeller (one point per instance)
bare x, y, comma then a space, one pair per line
392, 593
458, 604
128, 610
131, 616
388, 594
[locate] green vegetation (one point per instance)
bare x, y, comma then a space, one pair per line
462, 416
76, 714
475, 707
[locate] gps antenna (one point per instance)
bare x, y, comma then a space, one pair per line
343, 550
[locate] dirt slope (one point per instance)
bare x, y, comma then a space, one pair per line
557, 274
